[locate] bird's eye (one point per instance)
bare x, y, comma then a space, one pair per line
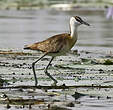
78, 19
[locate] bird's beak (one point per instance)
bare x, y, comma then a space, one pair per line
85, 23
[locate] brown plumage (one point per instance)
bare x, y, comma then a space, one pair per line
53, 44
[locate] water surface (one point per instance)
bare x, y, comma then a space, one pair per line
18, 28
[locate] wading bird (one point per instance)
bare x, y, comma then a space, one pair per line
57, 45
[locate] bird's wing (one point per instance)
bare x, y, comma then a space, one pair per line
53, 44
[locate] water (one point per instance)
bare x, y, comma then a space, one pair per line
18, 28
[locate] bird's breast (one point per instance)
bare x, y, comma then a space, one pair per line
71, 41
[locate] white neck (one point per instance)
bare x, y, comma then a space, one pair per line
74, 35
73, 28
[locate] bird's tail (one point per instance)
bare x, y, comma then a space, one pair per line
31, 47
26, 47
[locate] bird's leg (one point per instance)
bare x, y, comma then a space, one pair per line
46, 72
33, 67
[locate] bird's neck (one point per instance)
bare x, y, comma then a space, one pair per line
73, 30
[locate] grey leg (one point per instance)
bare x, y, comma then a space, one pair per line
46, 72
33, 67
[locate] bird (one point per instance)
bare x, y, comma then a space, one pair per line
57, 45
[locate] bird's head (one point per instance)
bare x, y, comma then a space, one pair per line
77, 21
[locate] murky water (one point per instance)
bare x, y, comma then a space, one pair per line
18, 28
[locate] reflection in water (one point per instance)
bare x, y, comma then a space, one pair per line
18, 28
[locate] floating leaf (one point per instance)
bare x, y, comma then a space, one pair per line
108, 62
